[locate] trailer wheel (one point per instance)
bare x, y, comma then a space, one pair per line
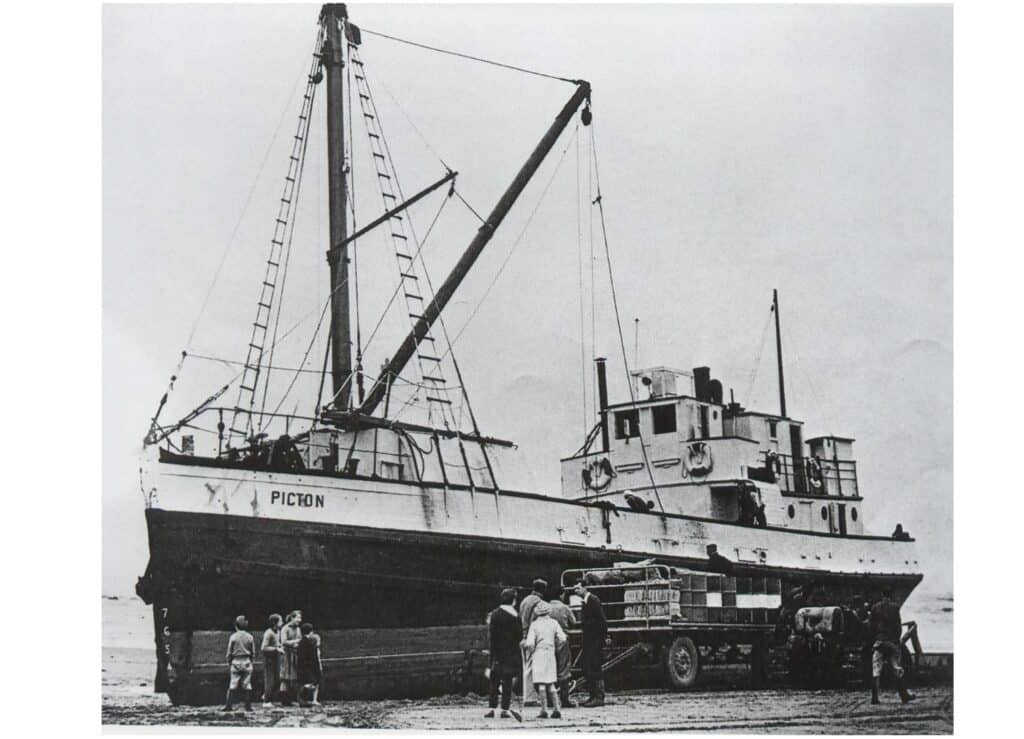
682, 663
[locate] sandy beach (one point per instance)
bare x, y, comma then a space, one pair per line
128, 699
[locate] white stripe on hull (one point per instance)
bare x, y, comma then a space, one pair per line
394, 505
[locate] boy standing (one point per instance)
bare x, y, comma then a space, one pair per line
241, 651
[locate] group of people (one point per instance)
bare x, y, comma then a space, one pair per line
292, 669
531, 641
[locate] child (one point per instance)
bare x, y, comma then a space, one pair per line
309, 667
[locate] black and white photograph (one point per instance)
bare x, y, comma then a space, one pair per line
544, 367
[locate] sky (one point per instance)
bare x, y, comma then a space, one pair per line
740, 149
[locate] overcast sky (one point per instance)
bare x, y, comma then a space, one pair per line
741, 148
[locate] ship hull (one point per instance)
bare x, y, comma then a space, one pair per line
401, 612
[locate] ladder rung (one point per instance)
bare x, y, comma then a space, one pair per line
409, 276
264, 305
283, 223
286, 201
364, 97
414, 297
385, 176
293, 157
236, 431
433, 379
397, 217
438, 400
428, 358
381, 156
257, 323
371, 116
415, 315
389, 195
373, 135
246, 387
269, 284
273, 263
399, 236
275, 242
256, 346
428, 337
290, 179
297, 137
400, 255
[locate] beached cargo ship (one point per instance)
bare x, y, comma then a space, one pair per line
395, 536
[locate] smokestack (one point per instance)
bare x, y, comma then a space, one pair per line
602, 398
701, 382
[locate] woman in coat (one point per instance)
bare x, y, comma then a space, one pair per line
542, 642
291, 635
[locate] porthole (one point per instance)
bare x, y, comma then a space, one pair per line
791, 511
853, 513
824, 513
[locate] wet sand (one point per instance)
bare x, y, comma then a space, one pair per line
128, 700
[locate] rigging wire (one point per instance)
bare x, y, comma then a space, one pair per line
615, 304
515, 244
245, 209
471, 208
757, 361
288, 252
449, 52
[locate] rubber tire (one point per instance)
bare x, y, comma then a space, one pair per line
682, 649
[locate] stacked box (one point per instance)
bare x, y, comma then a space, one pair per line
660, 599
730, 600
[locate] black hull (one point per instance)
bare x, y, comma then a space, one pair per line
371, 592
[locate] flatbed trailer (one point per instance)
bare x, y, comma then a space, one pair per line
660, 615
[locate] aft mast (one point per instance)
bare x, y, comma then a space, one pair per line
333, 16
778, 354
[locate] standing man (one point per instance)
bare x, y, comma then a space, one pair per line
526, 609
271, 649
562, 614
595, 631
886, 629
241, 652
505, 633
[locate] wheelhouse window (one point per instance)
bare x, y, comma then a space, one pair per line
664, 417
773, 430
627, 424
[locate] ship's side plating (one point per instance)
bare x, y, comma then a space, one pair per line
391, 567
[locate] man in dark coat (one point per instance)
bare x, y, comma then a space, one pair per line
506, 632
886, 630
595, 631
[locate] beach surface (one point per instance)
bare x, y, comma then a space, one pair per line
128, 699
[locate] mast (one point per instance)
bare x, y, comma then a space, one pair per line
333, 16
778, 353
405, 351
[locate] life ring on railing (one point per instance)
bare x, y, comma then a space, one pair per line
814, 476
697, 460
598, 474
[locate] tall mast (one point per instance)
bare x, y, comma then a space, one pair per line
333, 16
778, 353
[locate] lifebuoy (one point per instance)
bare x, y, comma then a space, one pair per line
697, 460
598, 474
